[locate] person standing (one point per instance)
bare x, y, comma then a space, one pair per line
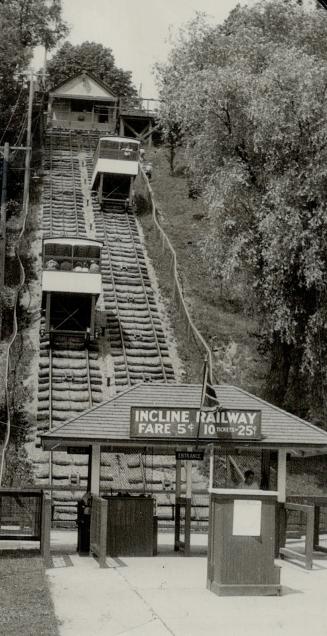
250, 480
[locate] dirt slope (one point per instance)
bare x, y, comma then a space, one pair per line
229, 332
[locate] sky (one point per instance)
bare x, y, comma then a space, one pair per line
137, 31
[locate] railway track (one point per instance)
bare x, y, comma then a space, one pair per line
138, 344
70, 378
63, 212
70, 375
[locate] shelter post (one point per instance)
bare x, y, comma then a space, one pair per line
265, 470
281, 475
188, 508
178, 477
95, 469
280, 531
177, 498
211, 466
100, 192
188, 470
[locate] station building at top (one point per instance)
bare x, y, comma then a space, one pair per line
86, 103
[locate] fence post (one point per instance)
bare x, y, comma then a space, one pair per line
177, 525
316, 527
187, 537
309, 538
46, 530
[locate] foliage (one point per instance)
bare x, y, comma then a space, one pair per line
89, 56
250, 99
23, 25
18, 468
36, 22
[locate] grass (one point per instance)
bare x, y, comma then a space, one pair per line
228, 331
25, 603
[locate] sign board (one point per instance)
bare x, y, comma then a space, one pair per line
78, 450
189, 423
192, 455
247, 518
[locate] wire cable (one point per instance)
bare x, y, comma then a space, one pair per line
12, 114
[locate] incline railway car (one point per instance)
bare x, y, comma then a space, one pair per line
71, 285
116, 164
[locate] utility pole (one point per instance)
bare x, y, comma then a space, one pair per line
28, 155
44, 68
3, 214
3, 225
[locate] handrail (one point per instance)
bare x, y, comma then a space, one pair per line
196, 333
75, 124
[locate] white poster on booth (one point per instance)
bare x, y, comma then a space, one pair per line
247, 518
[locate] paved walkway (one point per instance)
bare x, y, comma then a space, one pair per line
167, 595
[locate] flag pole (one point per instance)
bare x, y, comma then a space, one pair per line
204, 381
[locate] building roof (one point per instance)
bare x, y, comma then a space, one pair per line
109, 422
84, 86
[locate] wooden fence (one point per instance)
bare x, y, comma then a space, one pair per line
192, 330
25, 515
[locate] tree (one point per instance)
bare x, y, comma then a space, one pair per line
250, 98
35, 21
89, 56
23, 25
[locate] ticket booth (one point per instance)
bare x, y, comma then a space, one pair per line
241, 548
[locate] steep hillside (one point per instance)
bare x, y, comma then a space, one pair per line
230, 333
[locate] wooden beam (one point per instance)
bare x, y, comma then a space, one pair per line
95, 469
145, 133
137, 135
144, 130
281, 475
100, 191
178, 492
188, 470
265, 470
178, 477
211, 466
89, 469
150, 134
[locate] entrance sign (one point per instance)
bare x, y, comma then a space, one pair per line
190, 423
78, 450
192, 455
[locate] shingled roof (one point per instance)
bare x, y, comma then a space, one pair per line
109, 422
